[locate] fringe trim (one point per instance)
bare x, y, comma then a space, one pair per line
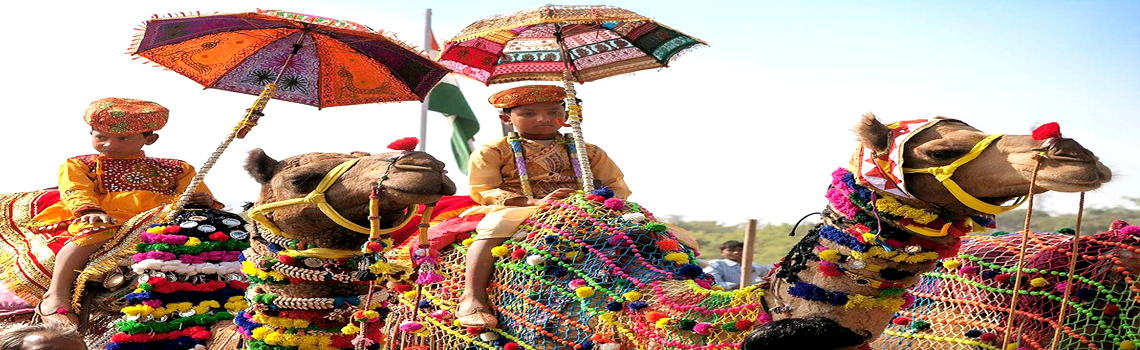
26, 285
540, 15
116, 249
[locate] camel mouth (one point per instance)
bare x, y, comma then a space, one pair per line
1067, 176
1064, 180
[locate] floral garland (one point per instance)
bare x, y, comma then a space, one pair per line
888, 273
811, 292
188, 280
235, 304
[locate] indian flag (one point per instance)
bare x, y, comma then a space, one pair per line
447, 99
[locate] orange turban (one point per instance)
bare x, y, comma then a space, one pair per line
125, 116
527, 94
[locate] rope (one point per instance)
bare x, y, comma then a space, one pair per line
1072, 271
1021, 256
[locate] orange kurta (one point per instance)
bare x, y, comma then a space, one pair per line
122, 188
494, 179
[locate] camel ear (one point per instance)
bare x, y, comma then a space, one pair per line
872, 133
260, 166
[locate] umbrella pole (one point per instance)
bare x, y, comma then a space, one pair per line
574, 115
239, 131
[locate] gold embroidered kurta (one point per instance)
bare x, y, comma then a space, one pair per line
494, 176
494, 179
122, 188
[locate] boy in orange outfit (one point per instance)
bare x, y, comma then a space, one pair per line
99, 192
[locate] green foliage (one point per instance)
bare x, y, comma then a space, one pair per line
772, 240
1095, 219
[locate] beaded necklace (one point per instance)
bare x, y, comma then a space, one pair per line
516, 144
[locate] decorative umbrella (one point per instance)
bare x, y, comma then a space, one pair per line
306, 59
568, 43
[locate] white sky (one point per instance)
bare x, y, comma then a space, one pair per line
749, 127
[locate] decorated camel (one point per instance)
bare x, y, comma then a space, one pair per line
141, 303
596, 272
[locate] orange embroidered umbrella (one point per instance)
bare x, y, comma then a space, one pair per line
306, 59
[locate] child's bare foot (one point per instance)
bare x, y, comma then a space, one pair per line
473, 312
57, 310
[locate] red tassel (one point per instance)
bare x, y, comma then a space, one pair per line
828, 269
1047, 131
404, 144
1111, 310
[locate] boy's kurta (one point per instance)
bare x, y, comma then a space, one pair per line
494, 179
122, 188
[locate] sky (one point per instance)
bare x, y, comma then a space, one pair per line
749, 127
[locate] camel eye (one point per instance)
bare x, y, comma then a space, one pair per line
945, 154
305, 182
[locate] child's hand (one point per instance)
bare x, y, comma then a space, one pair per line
201, 198
560, 193
94, 217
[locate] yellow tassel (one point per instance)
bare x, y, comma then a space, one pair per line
952, 264
680, 258
632, 295
1039, 282
500, 251
350, 329
829, 255
585, 292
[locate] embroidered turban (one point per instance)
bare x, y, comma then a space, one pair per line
527, 94
125, 116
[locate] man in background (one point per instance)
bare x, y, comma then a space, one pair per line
727, 271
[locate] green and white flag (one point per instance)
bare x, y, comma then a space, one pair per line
446, 98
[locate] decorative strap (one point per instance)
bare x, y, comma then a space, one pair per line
944, 173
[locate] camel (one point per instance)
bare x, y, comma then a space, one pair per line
305, 262
584, 274
846, 278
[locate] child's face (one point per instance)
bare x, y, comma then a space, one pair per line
120, 146
536, 121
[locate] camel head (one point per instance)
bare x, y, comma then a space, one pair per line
408, 178
1000, 173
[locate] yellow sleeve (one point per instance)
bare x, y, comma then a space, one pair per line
77, 191
606, 171
188, 174
485, 177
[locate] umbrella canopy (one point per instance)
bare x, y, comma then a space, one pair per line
337, 62
600, 41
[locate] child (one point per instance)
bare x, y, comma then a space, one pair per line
98, 192
537, 112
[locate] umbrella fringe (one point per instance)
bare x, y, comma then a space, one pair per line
686, 51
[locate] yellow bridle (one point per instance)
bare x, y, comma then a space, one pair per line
317, 196
944, 173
